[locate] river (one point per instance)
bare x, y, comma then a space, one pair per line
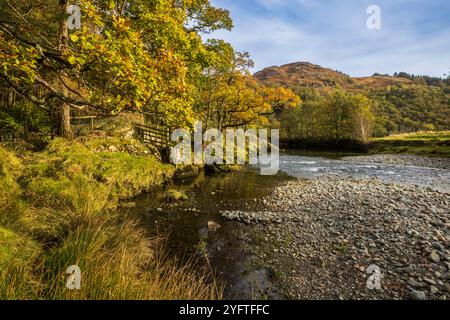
193, 229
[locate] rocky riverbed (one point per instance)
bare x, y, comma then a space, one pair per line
404, 160
318, 237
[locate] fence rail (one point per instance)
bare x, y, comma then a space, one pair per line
155, 136
91, 118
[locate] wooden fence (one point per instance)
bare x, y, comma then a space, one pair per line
156, 136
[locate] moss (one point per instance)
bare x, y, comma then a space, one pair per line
130, 175
77, 194
10, 169
11, 205
175, 195
51, 175
9, 163
127, 174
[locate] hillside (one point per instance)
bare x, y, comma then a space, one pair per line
400, 103
305, 74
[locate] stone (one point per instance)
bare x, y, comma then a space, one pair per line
418, 295
408, 269
416, 284
447, 287
433, 290
112, 149
429, 281
438, 246
213, 226
434, 256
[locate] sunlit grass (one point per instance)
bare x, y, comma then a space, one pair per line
428, 136
420, 143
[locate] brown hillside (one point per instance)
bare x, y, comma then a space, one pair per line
306, 74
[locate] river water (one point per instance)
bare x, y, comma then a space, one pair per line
228, 248
315, 165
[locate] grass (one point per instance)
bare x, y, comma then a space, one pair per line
421, 143
423, 136
58, 208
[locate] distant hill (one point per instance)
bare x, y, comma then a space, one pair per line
305, 74
402, 102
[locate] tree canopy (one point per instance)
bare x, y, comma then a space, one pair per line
129, 55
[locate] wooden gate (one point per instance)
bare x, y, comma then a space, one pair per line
155, 138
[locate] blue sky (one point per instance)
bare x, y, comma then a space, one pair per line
414, 35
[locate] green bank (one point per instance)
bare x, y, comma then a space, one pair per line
58, 207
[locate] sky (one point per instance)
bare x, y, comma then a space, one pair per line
414, 35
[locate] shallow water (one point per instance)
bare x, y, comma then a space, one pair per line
301, 166
228, 248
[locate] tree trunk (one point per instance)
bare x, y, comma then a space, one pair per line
63, 39
66, 128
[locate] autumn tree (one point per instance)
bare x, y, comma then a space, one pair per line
134, 54
229, 96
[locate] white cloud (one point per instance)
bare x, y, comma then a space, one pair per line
334, 34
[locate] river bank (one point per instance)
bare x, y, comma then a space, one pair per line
430, 144
425, 144
60, 207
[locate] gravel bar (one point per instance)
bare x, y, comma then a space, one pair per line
319, 236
